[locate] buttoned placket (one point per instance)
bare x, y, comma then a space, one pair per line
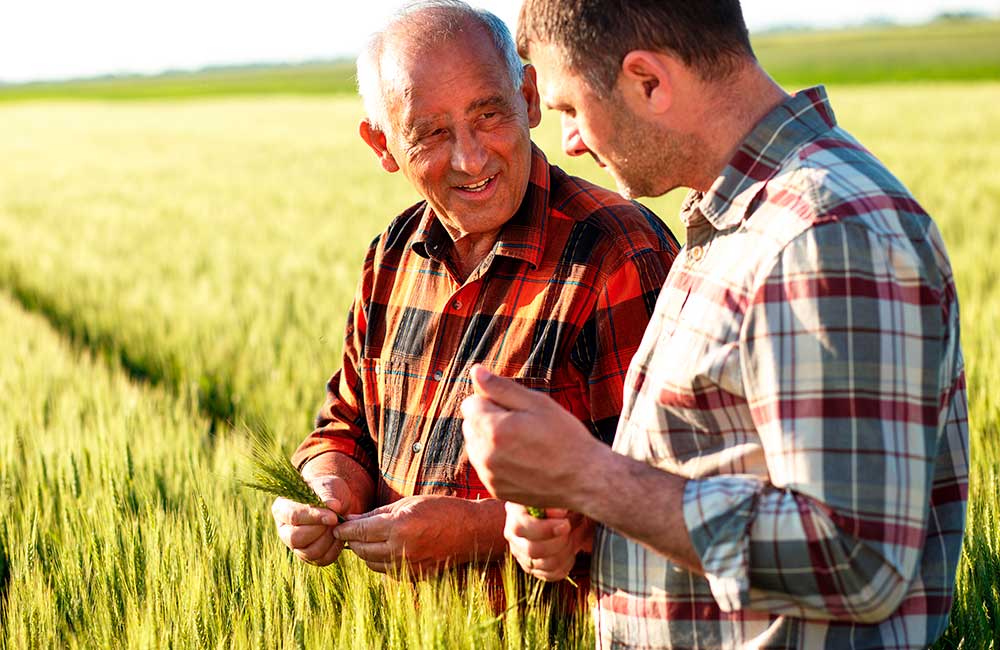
447, 337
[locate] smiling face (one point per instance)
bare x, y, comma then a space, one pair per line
459, 130
643, 157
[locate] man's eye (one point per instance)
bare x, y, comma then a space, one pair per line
432, 134
489, 114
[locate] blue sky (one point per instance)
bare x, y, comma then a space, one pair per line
47, 39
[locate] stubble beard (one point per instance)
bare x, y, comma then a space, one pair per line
651, 160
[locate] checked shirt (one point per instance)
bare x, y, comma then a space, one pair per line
803, 370
560, 305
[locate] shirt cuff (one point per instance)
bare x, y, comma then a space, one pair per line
315, 446
718, 512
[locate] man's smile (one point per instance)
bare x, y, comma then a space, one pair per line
477, 187
481, 190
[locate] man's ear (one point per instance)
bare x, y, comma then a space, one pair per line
529, 90
648, 77
375, 138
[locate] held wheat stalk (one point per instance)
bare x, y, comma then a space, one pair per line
539, 513
267, 469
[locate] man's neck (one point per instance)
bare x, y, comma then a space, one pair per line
737, 105
470, 250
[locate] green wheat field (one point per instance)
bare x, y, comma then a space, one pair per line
184, 260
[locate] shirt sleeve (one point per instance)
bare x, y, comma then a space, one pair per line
842, 352
612, 334
341, 424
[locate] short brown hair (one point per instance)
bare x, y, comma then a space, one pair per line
595, 35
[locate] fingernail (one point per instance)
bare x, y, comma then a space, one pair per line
561, 528
331, 520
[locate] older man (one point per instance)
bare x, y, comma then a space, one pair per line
790, 468
507, 262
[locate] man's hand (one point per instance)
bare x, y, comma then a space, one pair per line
528, 449
429, 531
307, 530
547, 548
524, 446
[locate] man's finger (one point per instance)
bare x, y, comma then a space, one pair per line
374, 528
557, 547
553, 575
318, 548
296, 514
521, 524
500, 390
380, 567
381, 510
337, 507
373, 551
331, 554
331, 489
479, 409
300, 537
537, 530
551, 564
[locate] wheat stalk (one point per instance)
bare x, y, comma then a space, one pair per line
268, 470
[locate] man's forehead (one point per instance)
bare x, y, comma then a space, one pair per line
555, 81
443, 80
556, 90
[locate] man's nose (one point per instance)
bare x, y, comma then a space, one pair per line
572, 142
468, 155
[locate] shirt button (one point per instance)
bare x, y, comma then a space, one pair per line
697, 253
456, 305
438, 375
417, 447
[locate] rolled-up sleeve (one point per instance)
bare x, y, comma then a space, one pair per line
843, 354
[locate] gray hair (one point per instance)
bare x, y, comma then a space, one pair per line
427, 22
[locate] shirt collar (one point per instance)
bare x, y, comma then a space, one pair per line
522, 237
796, 121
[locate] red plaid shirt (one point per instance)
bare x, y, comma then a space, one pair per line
560, 305
803, 369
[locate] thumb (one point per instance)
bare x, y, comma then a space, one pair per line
332, 492
500, 390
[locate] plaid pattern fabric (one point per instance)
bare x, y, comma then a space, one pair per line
560, 305
803, 369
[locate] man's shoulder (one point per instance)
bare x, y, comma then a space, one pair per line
401, 231
608, 215
838, 176
833, 193
834, 179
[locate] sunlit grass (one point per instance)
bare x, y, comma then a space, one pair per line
124, 528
